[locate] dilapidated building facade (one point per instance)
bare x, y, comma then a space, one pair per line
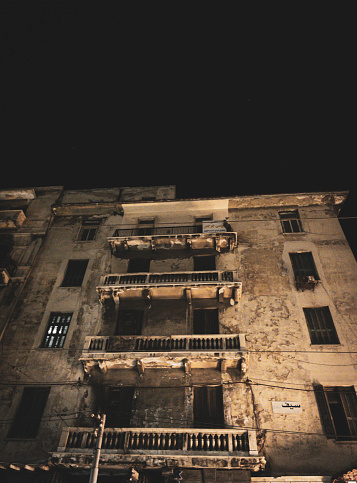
217, 336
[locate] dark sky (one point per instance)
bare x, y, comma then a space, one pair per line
219, 98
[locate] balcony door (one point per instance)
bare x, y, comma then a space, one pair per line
129, 322
208, 407
204, 263
205, 321
118, 406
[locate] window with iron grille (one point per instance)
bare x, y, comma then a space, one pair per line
29, 413
290, 221
57, 329
75, 273
88, 230
303, 265
338, 411
320, 325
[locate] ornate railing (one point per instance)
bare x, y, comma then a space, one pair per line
173, 440
163, 230
179, 343
169, 278
172, 237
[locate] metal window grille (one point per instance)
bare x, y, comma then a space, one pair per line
320, 325
290, 221
57, 329
74, 273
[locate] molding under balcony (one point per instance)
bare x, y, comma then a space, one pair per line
161, 447
187, 352
172, 285
171, 238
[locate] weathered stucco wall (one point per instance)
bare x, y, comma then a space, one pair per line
283, 364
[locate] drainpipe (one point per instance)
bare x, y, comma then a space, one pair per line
95, 468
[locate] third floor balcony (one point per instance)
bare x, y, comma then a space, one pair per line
195, 237
223, 285
219, 351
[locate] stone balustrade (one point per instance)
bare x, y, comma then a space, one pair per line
162, 440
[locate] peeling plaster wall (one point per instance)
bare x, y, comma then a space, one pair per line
282, 356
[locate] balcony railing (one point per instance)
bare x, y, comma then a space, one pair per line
175, 343
164, 230
171, 237
173, 284
168, 278
164, 441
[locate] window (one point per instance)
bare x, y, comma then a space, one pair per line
137, 265
57, 330
88, 230
200, 219
129, 322
74, 273
205, 321
29, 413
146, 226
320, 325
119, 402
208, 407
204, 262
338, 411
290, 221
303, 265
305, 272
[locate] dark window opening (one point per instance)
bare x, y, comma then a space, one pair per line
204, 263
306, 276
118, 408
29, 413
88, 230
290, 221
129, 322
137, 265
338, 411
200, 219
75, 273
205, 321
57, 329
208, 407
320, 325
146, 227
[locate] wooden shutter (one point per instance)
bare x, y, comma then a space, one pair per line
324, 410
349, 401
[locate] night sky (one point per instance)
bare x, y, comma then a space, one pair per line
219, 98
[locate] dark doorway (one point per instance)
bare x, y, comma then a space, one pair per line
118, 406
208, 407
205, 321
204, 262
129, 322
137, 265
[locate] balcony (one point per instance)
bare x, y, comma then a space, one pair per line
172, 237
161, 447
178, 351
11, 219
172, 285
